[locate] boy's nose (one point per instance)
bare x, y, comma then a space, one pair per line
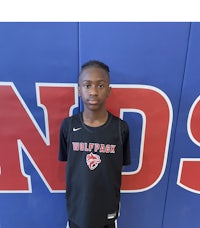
93, 90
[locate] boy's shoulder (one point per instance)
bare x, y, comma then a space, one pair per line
69, 122
69, 119
72, 117
123, 122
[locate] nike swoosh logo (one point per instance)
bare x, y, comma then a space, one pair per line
76, 129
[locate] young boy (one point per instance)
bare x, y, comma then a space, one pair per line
95, 145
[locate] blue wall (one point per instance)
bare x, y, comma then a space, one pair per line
159, 57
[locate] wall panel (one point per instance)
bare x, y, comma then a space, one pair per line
182, 202
154, 74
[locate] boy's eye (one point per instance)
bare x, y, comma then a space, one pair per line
87, 86
100, 86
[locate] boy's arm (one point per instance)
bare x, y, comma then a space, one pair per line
62, 154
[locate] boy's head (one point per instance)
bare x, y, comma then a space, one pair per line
94, 81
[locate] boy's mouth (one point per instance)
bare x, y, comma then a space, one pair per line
93, 101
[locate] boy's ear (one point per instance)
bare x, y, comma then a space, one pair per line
79, 91
109, 90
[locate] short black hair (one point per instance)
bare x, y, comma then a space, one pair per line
95, 63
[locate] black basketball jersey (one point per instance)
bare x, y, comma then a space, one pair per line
95, 156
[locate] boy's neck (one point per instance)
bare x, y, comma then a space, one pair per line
95, 119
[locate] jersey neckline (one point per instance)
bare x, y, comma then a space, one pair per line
90, 128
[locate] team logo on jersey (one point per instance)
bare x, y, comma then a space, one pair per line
92, 160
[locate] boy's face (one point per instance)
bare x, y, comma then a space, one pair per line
94, 87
